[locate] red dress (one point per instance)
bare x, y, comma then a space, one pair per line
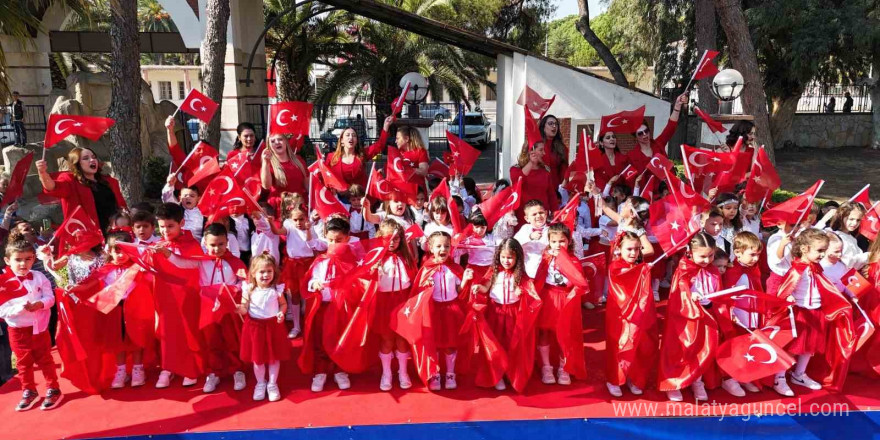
354, 172
604, 171
558, 165
535, 186
658, 146
296, 182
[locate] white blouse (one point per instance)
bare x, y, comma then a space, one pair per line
263, 300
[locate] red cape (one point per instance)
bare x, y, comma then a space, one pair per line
632, 337
866, 361
88, 357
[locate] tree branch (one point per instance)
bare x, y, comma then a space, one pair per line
583, 26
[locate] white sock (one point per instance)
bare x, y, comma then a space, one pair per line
450, 363
655, 284
386, 362
260, 372
561, 363
295, 308
401, 361
801, 366
274, 367
544, 351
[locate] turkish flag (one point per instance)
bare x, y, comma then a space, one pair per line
682, 194
862, 197
732, 177
704, 167
627, 121
224, 194
533, 133
291, 118
793, 210
871, 223
463, 154
377, 186
650, 187
110, 295
442, 190
500, 204
246, 174
595, 269
568, 214
705, 68
199, 105
141, 255
200, 155
325, 202
714, 126
397, 104
17, 178
534, 102
217, 301
10, 286
856, 283
763, 179
413, 232
754, 356
329, 176
660, 166
672, 223
438, 169
628, 176
396, 168
61, 126
207, 168
588, 157
78, 233
862, 325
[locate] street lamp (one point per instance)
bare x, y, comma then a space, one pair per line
418, 91
727, 85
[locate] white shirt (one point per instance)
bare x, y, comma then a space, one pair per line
504, 290
210, 272
554, 276
705, 284
834, 273
263, 300
151, 240
399, 219
297, 245
751, 320
359, 224
392, 275
852, 257
607, 230
805, 293
193, 220
482, 255
232, 245
753, 226
321, 273
38, 289
445, 284
533, 249
779, 266
264, 240
584, 218
241, 228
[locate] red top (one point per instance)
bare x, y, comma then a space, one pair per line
415, 156
296, 179
639, 161
72, 193
558, 165
535, 186
235, 152
354, 172
604, 171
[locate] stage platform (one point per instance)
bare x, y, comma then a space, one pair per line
543, 412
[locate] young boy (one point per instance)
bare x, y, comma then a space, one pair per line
25, 299
360, 227
223, 335
533, 235
143, 227
177, 301
189, 200
321, 303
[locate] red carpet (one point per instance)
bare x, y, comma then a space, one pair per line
150, 411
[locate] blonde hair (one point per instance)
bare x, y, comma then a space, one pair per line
414, 138
746, 240
277, 170
388, 228
523, 158
289, 201
258, 261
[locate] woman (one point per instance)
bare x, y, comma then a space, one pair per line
83, 186
613, 161
246, 142
413, 150
646, 146
744, 129
536, 183
348, 159
555, 151
282, 170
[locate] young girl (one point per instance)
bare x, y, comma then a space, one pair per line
819, 312
298, 256
264, 240
728, 204
394, 208
440, 220
749, 218
262, 336
557, 322
631, 319
478, 249
691, 333
120, 221
510, 305
847, 222
470, 195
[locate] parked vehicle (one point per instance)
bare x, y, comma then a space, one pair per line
361, 126
434, 111
477, 128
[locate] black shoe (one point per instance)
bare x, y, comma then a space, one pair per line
53, 398
28, 400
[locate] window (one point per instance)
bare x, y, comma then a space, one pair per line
181, 90
165, 90
490, 94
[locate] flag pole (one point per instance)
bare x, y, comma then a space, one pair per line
791, 320
586, 150
687, 169
859, 192
804, 212
184, 161
370, 179
233, 302
688, 86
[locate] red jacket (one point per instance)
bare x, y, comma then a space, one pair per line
72, 193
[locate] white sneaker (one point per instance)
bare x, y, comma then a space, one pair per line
164, 379
634, 389
589, 306
750, 387
547, 375
385, 382
656, 296
210, 383
342, 381
805, 381
187, 382
318, 382
260, 391
434, 383
699, 389
405, 382
563, 377
674, 396
500, 386
781, 387
732, 387
138, 376
239, 381
451, 384
119, 378
294, 333
614, 390
274, 393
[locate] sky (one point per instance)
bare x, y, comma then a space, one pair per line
568, 7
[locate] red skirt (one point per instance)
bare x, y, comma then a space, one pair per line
479, 272
386, 304
292, 272
501, 319
446, 321
264, 341
553, 298
773, 283
811, 332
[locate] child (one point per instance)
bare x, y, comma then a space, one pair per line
510, 305
360, 227
480, 247
143, 227
394, 208
749, 218
816, 301
242, 227
555, 323
440, 221
420, 210
728, 204
232, 245
832, 265
25, 300
847, 221
189, 200
533, 235
264, 240
443, 280
684, 358
262, 336
713, 224
469, 194
219, 276
298, 256
631, 319
721, 261
120, 221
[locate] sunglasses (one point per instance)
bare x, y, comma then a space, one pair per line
642, 133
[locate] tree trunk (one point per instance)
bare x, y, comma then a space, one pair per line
781, 116
125, 83
284, 77
875, 99
706, 28
213, 54
744, 59
583, 26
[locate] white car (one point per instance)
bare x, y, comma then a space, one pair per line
477, 129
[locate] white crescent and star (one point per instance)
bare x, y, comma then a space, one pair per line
59, 130
688, 194
692, 159
322, 194
192, 105
774, 330
74, 221
765, 347
612, 122
397, 165
514, 197
278, 118
229, 185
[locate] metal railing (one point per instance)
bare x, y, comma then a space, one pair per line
817, 98
34, 120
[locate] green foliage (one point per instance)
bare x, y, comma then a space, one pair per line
155, 173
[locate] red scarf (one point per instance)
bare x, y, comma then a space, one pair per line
733, 274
